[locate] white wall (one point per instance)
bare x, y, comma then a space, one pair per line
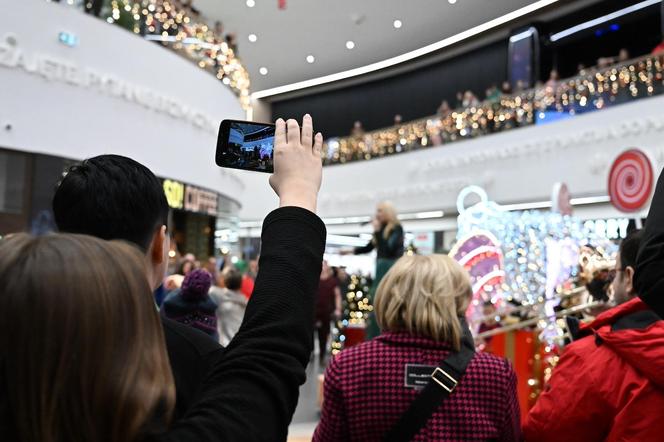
515, 166
55, 117
68, 101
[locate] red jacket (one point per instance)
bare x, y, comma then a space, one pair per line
365, 394
608, 386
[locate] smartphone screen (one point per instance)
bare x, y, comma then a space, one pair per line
246, 145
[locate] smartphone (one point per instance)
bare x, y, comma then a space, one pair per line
246, 145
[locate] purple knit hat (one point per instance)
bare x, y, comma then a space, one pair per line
196, 285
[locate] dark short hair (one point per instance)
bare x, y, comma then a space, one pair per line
629, 247
232, 278
111, 197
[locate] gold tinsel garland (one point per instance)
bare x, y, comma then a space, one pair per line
187, 36
592, 89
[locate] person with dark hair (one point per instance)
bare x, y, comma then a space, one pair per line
230, 304
622, 285
89, 200
191, 305
607, 378
115, 197
186, 266
257, 378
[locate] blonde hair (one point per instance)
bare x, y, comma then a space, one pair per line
390, 215
425, 296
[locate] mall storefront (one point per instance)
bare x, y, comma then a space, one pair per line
201, 221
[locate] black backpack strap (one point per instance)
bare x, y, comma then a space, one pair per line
442, 384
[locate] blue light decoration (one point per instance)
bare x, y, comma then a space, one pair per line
68, 39
540, 255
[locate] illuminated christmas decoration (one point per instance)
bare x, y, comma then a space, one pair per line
480, 254
540, 254
179, 28
592, 89
356, 309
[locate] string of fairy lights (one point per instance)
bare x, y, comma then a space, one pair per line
356, 309
174, 26
592, 89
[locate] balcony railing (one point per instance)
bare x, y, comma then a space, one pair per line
591, 90
172, 25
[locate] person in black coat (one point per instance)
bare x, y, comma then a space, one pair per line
115, 197
249, 391
649, 276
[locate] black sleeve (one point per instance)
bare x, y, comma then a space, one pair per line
191, 354
365, 249
650, 260
251, 392
394, 246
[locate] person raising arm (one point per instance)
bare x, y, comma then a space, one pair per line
251, 392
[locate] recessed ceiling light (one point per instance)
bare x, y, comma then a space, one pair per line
397, 24
350, 44
263, 70
252, 38
451, 2
408, 56
310, 58
251, 3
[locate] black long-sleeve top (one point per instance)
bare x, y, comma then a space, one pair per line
251, 391
388, 248
650, 260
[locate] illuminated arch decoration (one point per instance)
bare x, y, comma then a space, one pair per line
481, 255
538, 253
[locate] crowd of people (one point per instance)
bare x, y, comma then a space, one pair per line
85, 355
211, 297
614, 80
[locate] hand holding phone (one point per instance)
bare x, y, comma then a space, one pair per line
298, 167
246, 145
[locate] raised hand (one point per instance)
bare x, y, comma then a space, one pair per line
298, 166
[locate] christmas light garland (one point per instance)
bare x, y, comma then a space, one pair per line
589, 91
356, 309
170, 24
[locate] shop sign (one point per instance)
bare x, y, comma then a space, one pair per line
174, 191
200, 200
613, 228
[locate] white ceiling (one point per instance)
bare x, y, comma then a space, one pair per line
322, 27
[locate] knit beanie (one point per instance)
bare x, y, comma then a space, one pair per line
191, 305
196, 285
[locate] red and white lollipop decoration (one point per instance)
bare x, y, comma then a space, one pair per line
631, 181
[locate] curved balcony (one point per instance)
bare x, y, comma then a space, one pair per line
176, 27
591, 90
